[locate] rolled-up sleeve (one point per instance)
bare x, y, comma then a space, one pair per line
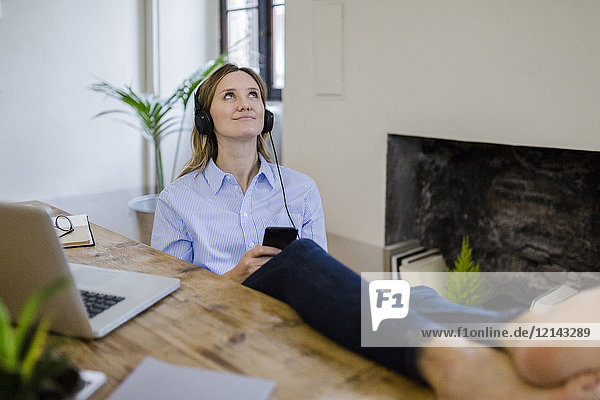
169, 233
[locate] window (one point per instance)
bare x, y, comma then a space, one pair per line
253, 31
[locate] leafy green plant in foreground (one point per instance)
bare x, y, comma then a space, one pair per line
30, 365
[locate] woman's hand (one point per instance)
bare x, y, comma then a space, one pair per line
251, 261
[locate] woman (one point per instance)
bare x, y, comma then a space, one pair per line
215, 214
228, 184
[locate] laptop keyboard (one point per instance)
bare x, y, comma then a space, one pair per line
95, 303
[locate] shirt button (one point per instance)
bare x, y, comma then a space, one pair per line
245, 214
251, 244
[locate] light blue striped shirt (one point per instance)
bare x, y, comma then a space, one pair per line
205, 218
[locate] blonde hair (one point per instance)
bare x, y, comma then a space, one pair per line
205, 147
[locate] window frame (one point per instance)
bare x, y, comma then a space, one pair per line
265, 41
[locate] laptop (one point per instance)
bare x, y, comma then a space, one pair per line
32, 257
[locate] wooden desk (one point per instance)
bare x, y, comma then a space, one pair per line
213, 323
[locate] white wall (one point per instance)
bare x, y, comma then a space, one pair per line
49, 54
49, 145
517, 72
189, 37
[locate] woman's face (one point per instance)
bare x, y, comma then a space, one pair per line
237, 109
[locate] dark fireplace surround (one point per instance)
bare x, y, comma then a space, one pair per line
523, 208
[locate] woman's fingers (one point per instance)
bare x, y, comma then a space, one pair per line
267, 251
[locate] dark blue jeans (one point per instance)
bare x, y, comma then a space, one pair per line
327, 295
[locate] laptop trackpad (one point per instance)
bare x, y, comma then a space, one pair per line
93, 277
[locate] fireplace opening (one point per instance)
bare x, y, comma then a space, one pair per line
523, 208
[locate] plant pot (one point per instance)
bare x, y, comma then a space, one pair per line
144, 208
56, 386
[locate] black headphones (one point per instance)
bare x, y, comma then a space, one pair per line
204, 122
205, 126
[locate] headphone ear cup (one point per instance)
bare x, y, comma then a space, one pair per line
269, 120
205, 126
204, 123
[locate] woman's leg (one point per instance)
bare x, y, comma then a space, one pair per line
327, 296
428, 303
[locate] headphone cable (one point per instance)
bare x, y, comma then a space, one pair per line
282, 187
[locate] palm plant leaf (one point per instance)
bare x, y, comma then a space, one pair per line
116, 111
141, 105
153, 113
15, 345
35, 348
185, 91
31, 308
166, 127
146, 137
27, 360
8, 355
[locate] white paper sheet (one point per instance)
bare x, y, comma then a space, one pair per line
157, 380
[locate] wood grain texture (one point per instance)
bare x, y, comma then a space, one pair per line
213, 323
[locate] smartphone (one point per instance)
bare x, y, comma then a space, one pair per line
279, 237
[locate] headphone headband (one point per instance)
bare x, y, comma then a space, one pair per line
205, 125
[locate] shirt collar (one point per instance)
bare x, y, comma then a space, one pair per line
266, 170
215, 176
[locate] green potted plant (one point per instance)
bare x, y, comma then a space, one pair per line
155, 120
465, 284
30, 365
